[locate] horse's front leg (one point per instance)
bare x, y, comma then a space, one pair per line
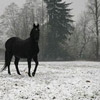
16, 65
36, 64
29, 67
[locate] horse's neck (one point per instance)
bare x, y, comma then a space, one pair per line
33, 42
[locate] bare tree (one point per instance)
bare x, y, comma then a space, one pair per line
83, 24
94, 11
9, 19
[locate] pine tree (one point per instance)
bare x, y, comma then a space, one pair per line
59, 26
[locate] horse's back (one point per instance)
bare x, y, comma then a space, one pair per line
13, 41
9, 43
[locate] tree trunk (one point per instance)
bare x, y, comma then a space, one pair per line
97, 30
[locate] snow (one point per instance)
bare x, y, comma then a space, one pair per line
77, 80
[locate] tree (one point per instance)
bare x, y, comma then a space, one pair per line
94, 11
82, 42
85, 38
9, 19
59, 27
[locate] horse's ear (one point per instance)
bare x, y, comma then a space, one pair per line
38, 25
34, 25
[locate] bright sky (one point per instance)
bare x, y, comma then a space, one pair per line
4, 3
77, 5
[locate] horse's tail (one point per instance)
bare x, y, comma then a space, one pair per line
8, 52
4, 68
6, 61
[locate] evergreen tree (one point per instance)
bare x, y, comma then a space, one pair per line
60, 26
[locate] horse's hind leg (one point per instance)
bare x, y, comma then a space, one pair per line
29, 67
16, 65
36, 64
8, 57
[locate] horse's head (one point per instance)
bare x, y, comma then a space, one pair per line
35, 33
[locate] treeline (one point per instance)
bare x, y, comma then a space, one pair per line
60, 38
84, 43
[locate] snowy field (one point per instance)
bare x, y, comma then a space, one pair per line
53, 81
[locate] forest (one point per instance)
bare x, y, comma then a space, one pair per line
61, 37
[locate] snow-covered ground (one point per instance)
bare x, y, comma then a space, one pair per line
53, 81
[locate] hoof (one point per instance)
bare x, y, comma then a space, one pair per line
19, 74
29, 75
33, 74
9, 73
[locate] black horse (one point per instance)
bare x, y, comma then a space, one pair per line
19, 48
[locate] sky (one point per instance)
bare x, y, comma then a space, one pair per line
78, 6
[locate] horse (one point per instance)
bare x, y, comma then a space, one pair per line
19, 48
